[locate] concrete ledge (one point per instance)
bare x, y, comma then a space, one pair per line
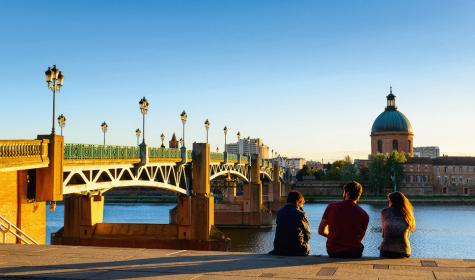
60, 262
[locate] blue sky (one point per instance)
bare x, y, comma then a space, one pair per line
309, 77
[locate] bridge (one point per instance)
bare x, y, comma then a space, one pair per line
47, 169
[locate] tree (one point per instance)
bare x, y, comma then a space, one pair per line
385, 170
348, 170
305, 171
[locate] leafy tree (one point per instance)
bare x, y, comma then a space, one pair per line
384, 170
305, 171
348, 170
319, 174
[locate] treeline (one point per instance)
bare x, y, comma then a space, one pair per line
383, 171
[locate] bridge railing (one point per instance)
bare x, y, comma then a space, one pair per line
216, 156
164, 153
87, 151
23, 148
232, 157
244, 159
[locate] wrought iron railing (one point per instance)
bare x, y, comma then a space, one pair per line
232, 157
244, 159
216, 156
164, 153
23, 148
86, 151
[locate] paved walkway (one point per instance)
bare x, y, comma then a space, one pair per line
71, 262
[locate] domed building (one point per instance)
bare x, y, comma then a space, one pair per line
392, 130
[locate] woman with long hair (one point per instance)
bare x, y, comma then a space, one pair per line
397, 223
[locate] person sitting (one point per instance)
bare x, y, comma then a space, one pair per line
397, 223
344, 224
292, 234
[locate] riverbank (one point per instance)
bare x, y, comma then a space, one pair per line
448, 200
75, 262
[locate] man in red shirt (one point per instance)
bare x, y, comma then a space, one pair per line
344, 224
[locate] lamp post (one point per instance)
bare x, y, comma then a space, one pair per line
207, 124
238, 136
162, 137
250, 159
183, 117
55, 80
143, 103
217, 149
138, 132
62, 122
104, 128
225, 134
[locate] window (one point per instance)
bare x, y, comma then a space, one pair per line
395, 145
466, 191
445, 190
380, 146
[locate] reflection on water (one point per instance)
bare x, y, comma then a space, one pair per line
442, 231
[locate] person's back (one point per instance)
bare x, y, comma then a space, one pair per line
396, 227
292, 232
344, 223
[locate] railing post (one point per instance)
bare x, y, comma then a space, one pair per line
225, 157
144, 154
183, 154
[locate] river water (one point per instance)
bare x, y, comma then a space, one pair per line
443, 231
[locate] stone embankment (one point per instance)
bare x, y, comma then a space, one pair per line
74, 262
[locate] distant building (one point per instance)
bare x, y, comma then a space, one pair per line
256, 146
314, 165
392, 130
428, 152
173, 143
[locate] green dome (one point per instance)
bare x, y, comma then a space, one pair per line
391, 121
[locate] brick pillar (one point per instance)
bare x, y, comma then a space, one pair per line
81, 214
276, 185
255, 189
202, 202
49, 181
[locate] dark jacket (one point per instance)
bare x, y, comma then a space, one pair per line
292, 233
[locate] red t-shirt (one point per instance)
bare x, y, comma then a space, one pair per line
347, 223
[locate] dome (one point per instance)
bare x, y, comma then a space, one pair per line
391, 121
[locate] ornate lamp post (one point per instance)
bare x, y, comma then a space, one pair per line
61, 122
162, 137
138, 132
55, 80
207, 124
225, 134
104, 128
143, 109
183, 117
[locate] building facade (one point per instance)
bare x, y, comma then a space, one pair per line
243, 146
428, 152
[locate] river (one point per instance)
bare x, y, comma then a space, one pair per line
443, 231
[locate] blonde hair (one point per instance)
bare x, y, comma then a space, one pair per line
400, 201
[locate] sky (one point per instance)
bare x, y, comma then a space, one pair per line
309, 77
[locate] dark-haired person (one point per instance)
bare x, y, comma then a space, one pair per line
397, 223
292, 233
344, 224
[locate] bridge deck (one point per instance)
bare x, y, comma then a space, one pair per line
24, 261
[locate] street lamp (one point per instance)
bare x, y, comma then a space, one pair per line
225, 134
181, 142
55, 80
61, 122
143, 109
104, 128
138, 132
217, 149
207, 124
238, 136
162, 137
183, 117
